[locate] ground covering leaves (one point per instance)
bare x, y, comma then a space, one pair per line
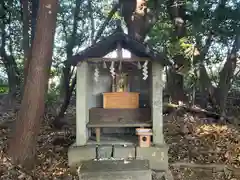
198, 149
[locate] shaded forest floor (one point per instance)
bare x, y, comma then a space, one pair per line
198, 149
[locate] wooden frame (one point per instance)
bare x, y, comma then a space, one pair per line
111, 118
132, 59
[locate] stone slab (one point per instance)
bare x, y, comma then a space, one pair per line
77, 154
157, 156
125, 152
115, 170
104, 151
120, 175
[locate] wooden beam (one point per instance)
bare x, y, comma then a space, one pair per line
117, 125
117, 59
100, 117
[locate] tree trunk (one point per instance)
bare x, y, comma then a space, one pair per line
176, 10
205, 84
209, 93
57, 123
23, 145
26, 40
13, 75
175, 81
10, 65
26, 46
67, 87
35, 6
139, 17
226, 76
69, 49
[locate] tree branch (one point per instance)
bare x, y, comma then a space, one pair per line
90, 9
110, 15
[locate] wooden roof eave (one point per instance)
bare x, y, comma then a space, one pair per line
128, 43
132, 59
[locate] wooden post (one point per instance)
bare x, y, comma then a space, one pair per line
98, 134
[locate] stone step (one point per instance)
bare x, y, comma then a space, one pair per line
115, 170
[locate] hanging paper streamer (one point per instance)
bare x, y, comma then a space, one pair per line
139, 65
104, 65
145, 70
112, 70
96, 74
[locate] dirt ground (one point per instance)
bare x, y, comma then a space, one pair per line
199, 150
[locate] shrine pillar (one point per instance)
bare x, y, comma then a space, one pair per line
82, 114
157, 103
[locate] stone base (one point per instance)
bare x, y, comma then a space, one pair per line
79, 154
115, 170
157, 155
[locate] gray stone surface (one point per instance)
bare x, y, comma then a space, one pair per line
104, 151
119, 175
82, 101
157, 156
125, 152
157, 117
77, 154
115, 170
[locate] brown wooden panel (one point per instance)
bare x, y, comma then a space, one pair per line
119, 117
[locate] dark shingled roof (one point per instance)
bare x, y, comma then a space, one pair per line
108, 44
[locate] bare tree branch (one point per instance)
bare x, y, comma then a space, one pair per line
110, 15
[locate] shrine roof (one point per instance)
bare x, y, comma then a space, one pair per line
109, 43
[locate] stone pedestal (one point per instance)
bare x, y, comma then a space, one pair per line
156, 155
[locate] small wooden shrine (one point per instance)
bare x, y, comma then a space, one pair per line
119, 103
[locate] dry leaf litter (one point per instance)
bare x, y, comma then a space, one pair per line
191, 141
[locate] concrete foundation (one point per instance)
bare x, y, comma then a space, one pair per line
156, 155
125, 152
79, 154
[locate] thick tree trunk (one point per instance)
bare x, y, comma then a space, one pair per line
207, 90
35, 6
226, 76
139, 17
176, 10
26, 46
26, 39
23, 145
205, 84
175, 81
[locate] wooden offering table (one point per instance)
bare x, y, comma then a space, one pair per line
120, 100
